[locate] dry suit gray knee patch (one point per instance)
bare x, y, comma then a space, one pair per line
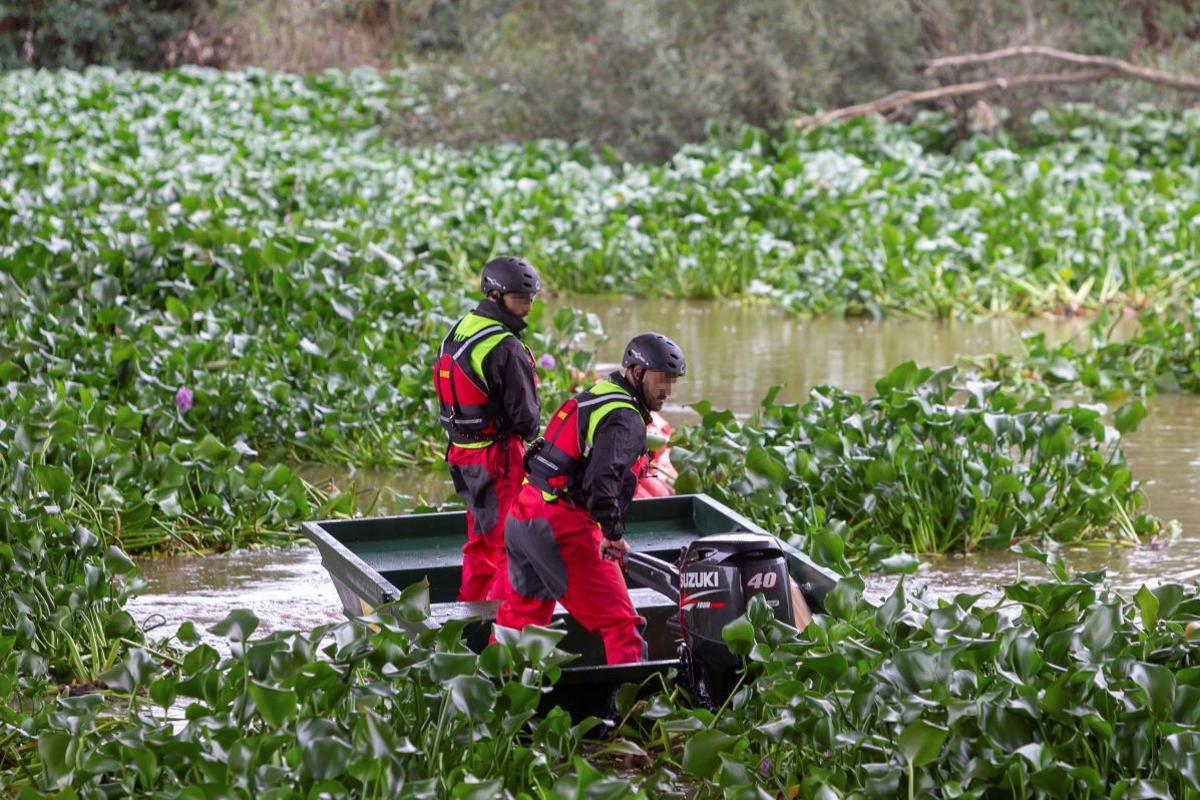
535, 565
474, 485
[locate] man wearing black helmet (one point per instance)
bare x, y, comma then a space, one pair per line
565, 531
487, 391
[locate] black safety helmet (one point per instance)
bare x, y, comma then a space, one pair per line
509, 274
655, 351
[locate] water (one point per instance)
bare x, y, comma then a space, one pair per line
380, 492
287, 588
735, 353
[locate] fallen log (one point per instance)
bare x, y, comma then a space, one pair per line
1117, 66
1101, 68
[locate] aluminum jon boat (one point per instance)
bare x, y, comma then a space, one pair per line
370, 560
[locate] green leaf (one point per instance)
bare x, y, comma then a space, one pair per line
495, 660
209, 448
1148, 604
163, 690
485, 790
921, 742
325, 750
170, 505
55, 480
57, 754
762, 463
444, 666
880, 472
1149, 790
1099, 627
472, 695
276, 705
1159, 686
1129, 416
277, 478
900, 564
116, 562
1006, 484
739, 635
186, 633
702, 752
845, 598
237, 625
1169, 596
688, 482
134, 671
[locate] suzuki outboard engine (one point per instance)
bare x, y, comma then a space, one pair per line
714, 582
717, 577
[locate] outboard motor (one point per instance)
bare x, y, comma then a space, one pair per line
716, 577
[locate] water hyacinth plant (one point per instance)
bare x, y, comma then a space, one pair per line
1071, 691
1079, 693
187, 308
1161, 355
300, 183
936, 461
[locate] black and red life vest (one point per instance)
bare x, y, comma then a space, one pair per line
557, 463
469, 412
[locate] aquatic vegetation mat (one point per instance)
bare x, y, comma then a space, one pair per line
934, 462
207, 277
1069, 690
198, 179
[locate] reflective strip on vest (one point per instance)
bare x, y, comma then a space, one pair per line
472, 445
474, 336
481, 334
604, 391
605, 398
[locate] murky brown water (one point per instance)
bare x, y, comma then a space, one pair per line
382, 492
734, 354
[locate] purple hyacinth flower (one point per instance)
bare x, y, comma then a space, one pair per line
547, 362
765, 766
183, 399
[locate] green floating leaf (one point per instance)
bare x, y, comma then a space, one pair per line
275, 704
900, 564
1159, 686
1129, 416
702, 752
116, 562
237, 626
1148, 605
186, 633
762, 463
55, 480
739, 635
134, 671
1099, 627
472, 695
921, 742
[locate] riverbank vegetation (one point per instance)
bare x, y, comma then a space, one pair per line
644, 78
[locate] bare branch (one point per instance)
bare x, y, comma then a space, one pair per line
898, 100
1102, 67
1116, 66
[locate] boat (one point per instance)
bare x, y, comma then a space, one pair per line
371, 560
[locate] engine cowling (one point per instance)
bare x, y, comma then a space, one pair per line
717, 577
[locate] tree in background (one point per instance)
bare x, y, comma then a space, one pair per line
642, 76
78, 33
